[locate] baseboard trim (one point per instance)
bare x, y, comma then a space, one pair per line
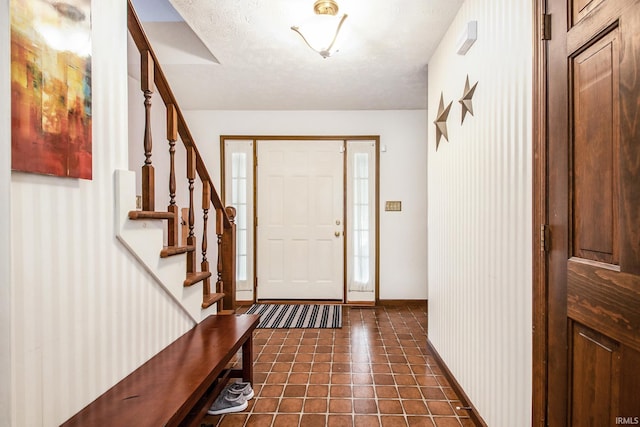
402, 302
294, 301
380, 303
473, 412
360, 304
247, 303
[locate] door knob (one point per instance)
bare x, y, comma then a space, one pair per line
337, 234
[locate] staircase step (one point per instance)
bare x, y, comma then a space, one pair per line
211, 299
150, 215
168, 251
226, 312
193, 278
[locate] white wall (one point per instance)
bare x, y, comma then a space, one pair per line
403, 245
5, 226
84, 313
480, 202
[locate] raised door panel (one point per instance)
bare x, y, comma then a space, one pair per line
580, 8
595, 148
595, 378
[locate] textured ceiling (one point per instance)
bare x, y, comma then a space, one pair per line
256, 62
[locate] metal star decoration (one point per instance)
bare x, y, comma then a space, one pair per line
466, 99
441, 121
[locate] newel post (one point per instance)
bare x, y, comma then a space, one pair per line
229, 261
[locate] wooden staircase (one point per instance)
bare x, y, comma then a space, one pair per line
220, 296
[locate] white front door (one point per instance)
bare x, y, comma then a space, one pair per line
300, 248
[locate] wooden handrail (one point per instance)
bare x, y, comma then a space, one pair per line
162, 84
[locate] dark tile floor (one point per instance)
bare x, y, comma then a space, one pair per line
375, 371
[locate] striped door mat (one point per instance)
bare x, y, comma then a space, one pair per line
283, 316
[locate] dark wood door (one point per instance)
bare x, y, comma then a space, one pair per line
594, 213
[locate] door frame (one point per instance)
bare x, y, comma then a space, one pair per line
345, 138
541, 238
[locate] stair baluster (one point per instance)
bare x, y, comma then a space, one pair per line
204, 265
148, 177
172, 137
191, 239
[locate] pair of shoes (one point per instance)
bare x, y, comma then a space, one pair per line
232, 399
241, 388
228, 402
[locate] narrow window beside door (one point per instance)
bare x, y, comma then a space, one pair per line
238, 183
239, 201
361, 221
361, 224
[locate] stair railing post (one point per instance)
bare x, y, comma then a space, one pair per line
172, 137
220, 266
191, 238
229, 261
204, 266
148, 177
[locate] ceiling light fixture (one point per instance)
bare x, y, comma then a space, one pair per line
325, 9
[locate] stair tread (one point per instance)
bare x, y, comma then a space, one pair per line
168, 251
150, 215
193, 278
211, 299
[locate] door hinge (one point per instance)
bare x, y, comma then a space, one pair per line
545, 238
546, 27
255, 283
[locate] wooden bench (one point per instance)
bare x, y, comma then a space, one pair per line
179, 384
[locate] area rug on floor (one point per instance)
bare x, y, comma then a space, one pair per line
283, 316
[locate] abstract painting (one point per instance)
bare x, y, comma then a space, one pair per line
51, 87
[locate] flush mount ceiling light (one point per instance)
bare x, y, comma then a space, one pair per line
326, 11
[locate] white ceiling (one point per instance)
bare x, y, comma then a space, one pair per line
244, 55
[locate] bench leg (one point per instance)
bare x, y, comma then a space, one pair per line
247, 360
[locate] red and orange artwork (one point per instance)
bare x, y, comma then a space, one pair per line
51, 87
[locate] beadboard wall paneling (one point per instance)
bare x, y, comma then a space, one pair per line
5, 226
84, 313
479, 215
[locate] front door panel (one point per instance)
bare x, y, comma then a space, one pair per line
300, 244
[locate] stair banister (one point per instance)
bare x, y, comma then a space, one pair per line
152, 77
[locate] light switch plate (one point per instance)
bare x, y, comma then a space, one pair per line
393, 206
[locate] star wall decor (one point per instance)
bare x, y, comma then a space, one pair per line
441, 121
466, 100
